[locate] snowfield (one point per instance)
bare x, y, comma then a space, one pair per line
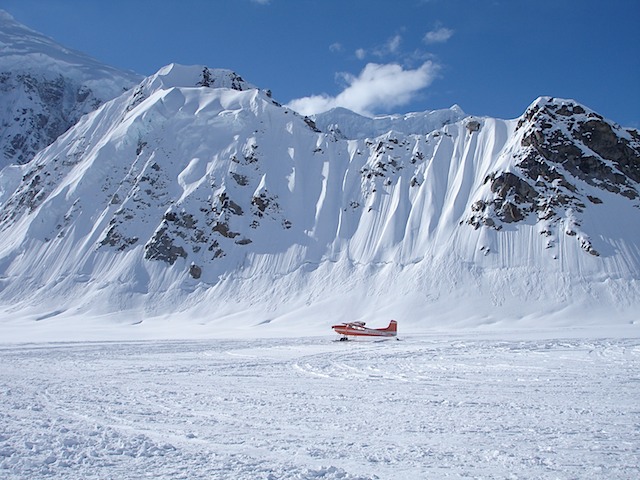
428, 406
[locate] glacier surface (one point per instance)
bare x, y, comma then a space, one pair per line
554, 404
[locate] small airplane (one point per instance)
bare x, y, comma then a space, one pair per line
358, 329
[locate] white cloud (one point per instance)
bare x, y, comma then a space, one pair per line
262, 2
377, 87
394, 43
439, 35
361, 53
391, 47
336, 47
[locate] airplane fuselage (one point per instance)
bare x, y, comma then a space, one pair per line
357, 329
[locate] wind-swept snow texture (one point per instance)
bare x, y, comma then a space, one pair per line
197, 194
45, 88
351, 125
426, 407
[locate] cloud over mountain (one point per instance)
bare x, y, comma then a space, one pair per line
378, 86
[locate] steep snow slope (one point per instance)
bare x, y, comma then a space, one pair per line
197, 197
45, 88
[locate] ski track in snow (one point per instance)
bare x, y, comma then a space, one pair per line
424, 407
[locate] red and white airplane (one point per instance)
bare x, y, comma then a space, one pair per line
358, 329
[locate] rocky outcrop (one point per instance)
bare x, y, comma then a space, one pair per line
583, 144
162, 247
566, 149
38, 110
513, 200
473, 125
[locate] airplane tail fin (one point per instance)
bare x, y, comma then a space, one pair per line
393, 327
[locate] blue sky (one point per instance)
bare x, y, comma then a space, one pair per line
491, 57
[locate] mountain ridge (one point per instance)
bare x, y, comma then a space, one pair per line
194, 197
269, 211
352, 125
45, 88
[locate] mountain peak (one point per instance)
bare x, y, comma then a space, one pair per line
584, 143
45, 88
176, 75
25, 50
566, 159
555, 106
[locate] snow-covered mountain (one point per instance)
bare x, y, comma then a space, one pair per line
45, 88
196, 195
348, 124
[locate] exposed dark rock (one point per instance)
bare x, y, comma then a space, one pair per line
600, 137
182, 219
55, 104
195, 271
567, 109
237, 82
311, 124
248, 158
235, 208
473, 126
241, 180
161, 247
513, 200
137, 97
217, 251
510, 213
140, 146
206, 80
507, 184
223, 229
585, 244
418, 156
114, 238
261, 202
49, 104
